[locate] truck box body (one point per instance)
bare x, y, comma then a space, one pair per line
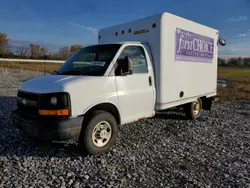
184, 55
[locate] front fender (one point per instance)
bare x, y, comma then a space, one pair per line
99, 103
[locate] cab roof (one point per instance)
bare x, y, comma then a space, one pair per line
125, 42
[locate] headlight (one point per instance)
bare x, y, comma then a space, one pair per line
59, 100
53, 101
55, 104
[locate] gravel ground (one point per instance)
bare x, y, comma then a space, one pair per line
165, 151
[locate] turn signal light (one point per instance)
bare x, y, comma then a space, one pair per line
63, 112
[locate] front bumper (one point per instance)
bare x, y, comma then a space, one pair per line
45, 128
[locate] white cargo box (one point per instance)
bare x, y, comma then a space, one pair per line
184, 55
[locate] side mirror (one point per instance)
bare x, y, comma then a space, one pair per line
130, 64
222, 42
126, 66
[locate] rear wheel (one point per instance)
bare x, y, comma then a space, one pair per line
100, 133
193, 109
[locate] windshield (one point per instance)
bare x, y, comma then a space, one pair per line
91, 61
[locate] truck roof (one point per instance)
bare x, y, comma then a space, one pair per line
125, 42
159, 15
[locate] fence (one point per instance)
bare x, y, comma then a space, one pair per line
30, 60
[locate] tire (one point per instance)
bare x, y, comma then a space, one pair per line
100, 133
192, 110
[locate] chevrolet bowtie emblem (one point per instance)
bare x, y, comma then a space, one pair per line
24, 101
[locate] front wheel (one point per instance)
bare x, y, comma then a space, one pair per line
100, 133
193, 109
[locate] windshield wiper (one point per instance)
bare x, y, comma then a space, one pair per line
78, 72
69, 72
55, 72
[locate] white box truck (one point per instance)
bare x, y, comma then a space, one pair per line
135, 70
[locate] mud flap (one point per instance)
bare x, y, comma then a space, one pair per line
207, 103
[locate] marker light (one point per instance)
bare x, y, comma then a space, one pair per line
62, 112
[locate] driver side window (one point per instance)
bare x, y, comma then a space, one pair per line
136, 53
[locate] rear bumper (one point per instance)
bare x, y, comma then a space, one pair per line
50, 129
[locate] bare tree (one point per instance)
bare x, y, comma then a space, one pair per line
43, 51
233, 62
246, 62
74, 48
22, 51
34, 51
3, 43
64, 53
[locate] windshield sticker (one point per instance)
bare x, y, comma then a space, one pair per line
98, 63
82, 63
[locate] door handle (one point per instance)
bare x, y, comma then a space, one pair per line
149, 81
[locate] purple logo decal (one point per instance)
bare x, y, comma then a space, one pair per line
193, 47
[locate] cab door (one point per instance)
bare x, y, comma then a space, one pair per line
136, 93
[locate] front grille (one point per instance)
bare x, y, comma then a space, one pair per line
28, 96
27, 110
28, 103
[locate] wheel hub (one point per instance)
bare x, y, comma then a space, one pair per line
196, 107
101, 134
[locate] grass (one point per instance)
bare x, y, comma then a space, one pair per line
47, 67
238, 84
238, 74
238, 78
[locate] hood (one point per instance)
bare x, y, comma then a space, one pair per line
84, 91
50, 83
